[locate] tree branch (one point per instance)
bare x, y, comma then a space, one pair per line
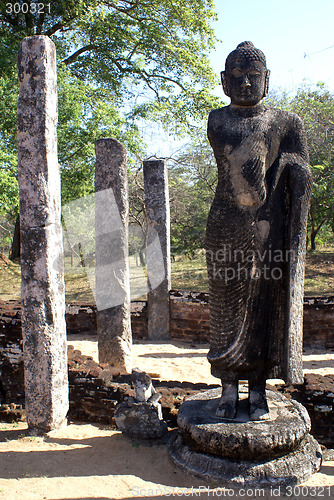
133, 5
72, 58
137, 181
56, 27
5, 229
137, 220
73, 154
40, 23
13, 21
167, 78
130, 55
137, 18
320, 226
152, 88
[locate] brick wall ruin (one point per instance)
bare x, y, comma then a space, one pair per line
94, 391
189, 319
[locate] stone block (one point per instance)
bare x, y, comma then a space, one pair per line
140, 420
42, 288
158, 216
112, 266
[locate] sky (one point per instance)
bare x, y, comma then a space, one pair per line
292, 34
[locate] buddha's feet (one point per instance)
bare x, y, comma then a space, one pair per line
228, 403
258, 406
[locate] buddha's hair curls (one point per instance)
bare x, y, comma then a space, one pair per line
248, 51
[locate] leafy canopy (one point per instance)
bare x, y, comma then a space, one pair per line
119, 62
315, 105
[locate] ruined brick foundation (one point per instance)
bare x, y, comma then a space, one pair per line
94, 391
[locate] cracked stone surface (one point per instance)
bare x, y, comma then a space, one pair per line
157, 209
112, 266
286, 427
242, 452
42, 289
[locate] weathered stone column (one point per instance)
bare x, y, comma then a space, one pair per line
42, 290
112, 264
157, 209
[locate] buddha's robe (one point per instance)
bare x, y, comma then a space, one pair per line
255, 242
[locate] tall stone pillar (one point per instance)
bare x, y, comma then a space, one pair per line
42, 290
112, 264
157, 210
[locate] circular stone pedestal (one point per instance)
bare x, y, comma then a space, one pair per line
239, 452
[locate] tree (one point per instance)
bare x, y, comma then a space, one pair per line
137, 215
322, 202
192, 181
316, 107
119, 62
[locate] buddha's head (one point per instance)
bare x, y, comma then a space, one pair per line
246, 77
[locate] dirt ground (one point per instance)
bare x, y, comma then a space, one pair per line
95, 462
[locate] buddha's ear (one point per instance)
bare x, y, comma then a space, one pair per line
266, 85
224, 83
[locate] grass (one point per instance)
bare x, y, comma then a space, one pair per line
190, 274
10, 279
187, 274
319, 272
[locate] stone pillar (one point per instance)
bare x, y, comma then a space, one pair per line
42, 290
112, 264
157, 210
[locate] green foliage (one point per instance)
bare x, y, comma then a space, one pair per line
192, 183
87, 113
316, 108
8, 157
9, 199
119, 62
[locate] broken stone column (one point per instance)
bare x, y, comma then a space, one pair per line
42, 289
112, 265
140, 417
157, 210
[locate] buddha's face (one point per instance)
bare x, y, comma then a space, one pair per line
245, 81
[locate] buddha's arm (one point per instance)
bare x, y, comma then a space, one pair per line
216, 139
294, 139
299, 183
292, 152
300, 190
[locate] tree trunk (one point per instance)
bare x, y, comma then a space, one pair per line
312, 237
82, 260
315, 231
16, 242
142, 256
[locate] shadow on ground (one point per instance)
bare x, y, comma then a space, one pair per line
109, 455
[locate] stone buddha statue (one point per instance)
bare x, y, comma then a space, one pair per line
256, 237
